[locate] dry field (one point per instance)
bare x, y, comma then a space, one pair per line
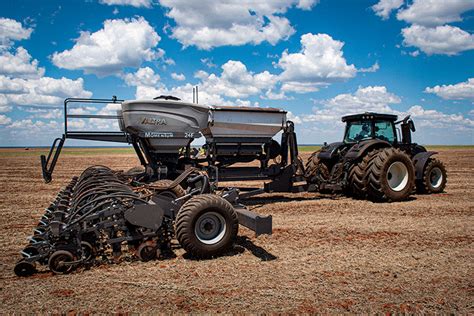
327, 254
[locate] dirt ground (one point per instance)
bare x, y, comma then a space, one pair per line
327, 254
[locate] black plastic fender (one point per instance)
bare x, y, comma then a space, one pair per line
419, 161
359, 149
329, 151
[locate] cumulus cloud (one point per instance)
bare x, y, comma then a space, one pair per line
208, 24
458, 91
12, 30
41, 91
372, 68
365, 99
319, 63
19, 64
446, 39
178, 77
142, 77
439, 120
236, 81
120, 43
5, 120
429, 30
133, 3
384, 8
213, 89
435, 12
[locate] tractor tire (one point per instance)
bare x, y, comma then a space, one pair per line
206, 226
434, 178
390, 176
357, 177
315, 169
175, 192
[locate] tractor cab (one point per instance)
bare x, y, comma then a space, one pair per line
367, 126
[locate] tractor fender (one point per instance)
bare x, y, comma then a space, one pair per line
361, 148
420, 160
329, 151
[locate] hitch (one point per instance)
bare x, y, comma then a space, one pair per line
253, 221
48, 167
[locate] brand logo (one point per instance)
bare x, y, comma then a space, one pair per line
158, 135
153, 121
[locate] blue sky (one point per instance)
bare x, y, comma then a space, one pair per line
318, 60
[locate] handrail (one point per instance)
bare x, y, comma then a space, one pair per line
84, 100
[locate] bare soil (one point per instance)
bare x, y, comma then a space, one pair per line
327, 254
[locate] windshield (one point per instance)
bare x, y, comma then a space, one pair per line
358, 130
384, 131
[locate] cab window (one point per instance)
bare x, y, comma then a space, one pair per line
384, 131
357, 131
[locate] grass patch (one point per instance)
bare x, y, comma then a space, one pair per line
308, 148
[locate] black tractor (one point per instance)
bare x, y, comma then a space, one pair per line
374, 162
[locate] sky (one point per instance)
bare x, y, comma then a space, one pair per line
318, 60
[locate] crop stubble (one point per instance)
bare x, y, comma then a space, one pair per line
327, 254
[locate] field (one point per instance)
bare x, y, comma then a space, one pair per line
328, 254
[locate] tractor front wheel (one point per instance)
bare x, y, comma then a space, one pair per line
434, 178
206, 226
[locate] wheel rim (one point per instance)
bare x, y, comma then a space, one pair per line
397, 176
436, 177
210, 228
60, 263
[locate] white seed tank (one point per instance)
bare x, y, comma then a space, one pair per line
169, 125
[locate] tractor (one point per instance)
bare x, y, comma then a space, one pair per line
374, 162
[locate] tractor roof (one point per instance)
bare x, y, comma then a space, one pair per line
369, 116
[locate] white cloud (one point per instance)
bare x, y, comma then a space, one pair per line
142, 77
435, 12
236, 81
439, 120
33, 127
208, 24
5, 108
429, 30
19, 64
50, 114
365, 99
372, 68
134, 3
208, 62
119, 44
42, 91
319, 63
446, 39
12, 30
178, 77
459, 91
5, 120
384, 8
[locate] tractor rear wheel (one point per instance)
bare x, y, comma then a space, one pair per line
434, 178
358, 176
206, 226
390, 175
316, 170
